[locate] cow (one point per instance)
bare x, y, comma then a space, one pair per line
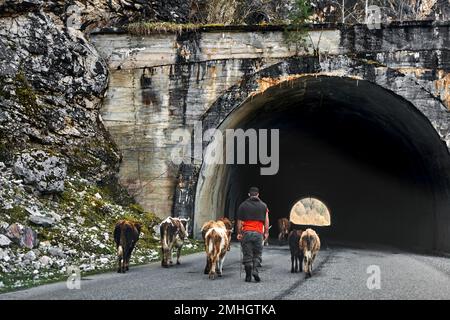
126, 234
283, 229
173, 233
216, 244
220, 223
310, 245
296, 252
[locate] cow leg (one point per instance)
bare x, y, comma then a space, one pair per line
221, 261
295, 264
124, 259
207, 266
305, 264
119, 258
292, 263
165, 255
300, 260
162, 257
209, 263
127, 263
309, 268
170, 255
119, 270
178, 254
212, 271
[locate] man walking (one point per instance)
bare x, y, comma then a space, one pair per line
252, 229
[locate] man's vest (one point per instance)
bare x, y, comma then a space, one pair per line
252, 209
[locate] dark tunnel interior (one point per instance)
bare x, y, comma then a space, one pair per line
369, 155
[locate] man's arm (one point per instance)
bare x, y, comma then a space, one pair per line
239, 229
266, 225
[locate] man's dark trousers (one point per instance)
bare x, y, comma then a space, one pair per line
252, 246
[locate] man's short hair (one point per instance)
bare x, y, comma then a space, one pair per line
253, 191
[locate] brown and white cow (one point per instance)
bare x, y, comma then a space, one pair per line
283, 230
216, 244
126, 234
220, 223
173, 233
310, 245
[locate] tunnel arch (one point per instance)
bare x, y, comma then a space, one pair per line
286, 84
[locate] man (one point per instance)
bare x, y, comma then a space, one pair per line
252, 229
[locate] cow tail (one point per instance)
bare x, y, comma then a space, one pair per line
123, 244
213, 237
211, 246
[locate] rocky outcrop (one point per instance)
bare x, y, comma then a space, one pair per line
52, 81
89, 14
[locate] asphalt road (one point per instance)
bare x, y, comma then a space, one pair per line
341, 273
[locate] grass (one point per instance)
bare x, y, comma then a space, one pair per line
145, 28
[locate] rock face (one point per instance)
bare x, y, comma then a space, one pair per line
105, 13
57, 161
51, 80
46, 172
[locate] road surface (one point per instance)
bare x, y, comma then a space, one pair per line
341, 273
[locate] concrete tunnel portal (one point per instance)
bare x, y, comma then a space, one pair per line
369, 154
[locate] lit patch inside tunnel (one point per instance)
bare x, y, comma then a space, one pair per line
310, 212
370, 155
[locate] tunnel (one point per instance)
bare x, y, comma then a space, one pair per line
367, 153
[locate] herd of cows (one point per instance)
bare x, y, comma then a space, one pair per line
303, 244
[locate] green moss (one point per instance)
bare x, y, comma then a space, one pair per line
24, 92
136, 208
17, 214
46, 234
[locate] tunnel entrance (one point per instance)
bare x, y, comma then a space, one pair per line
370, 155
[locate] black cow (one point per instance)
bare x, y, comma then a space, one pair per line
126, 234
296, 251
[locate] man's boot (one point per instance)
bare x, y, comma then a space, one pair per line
256, 274
248, 273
